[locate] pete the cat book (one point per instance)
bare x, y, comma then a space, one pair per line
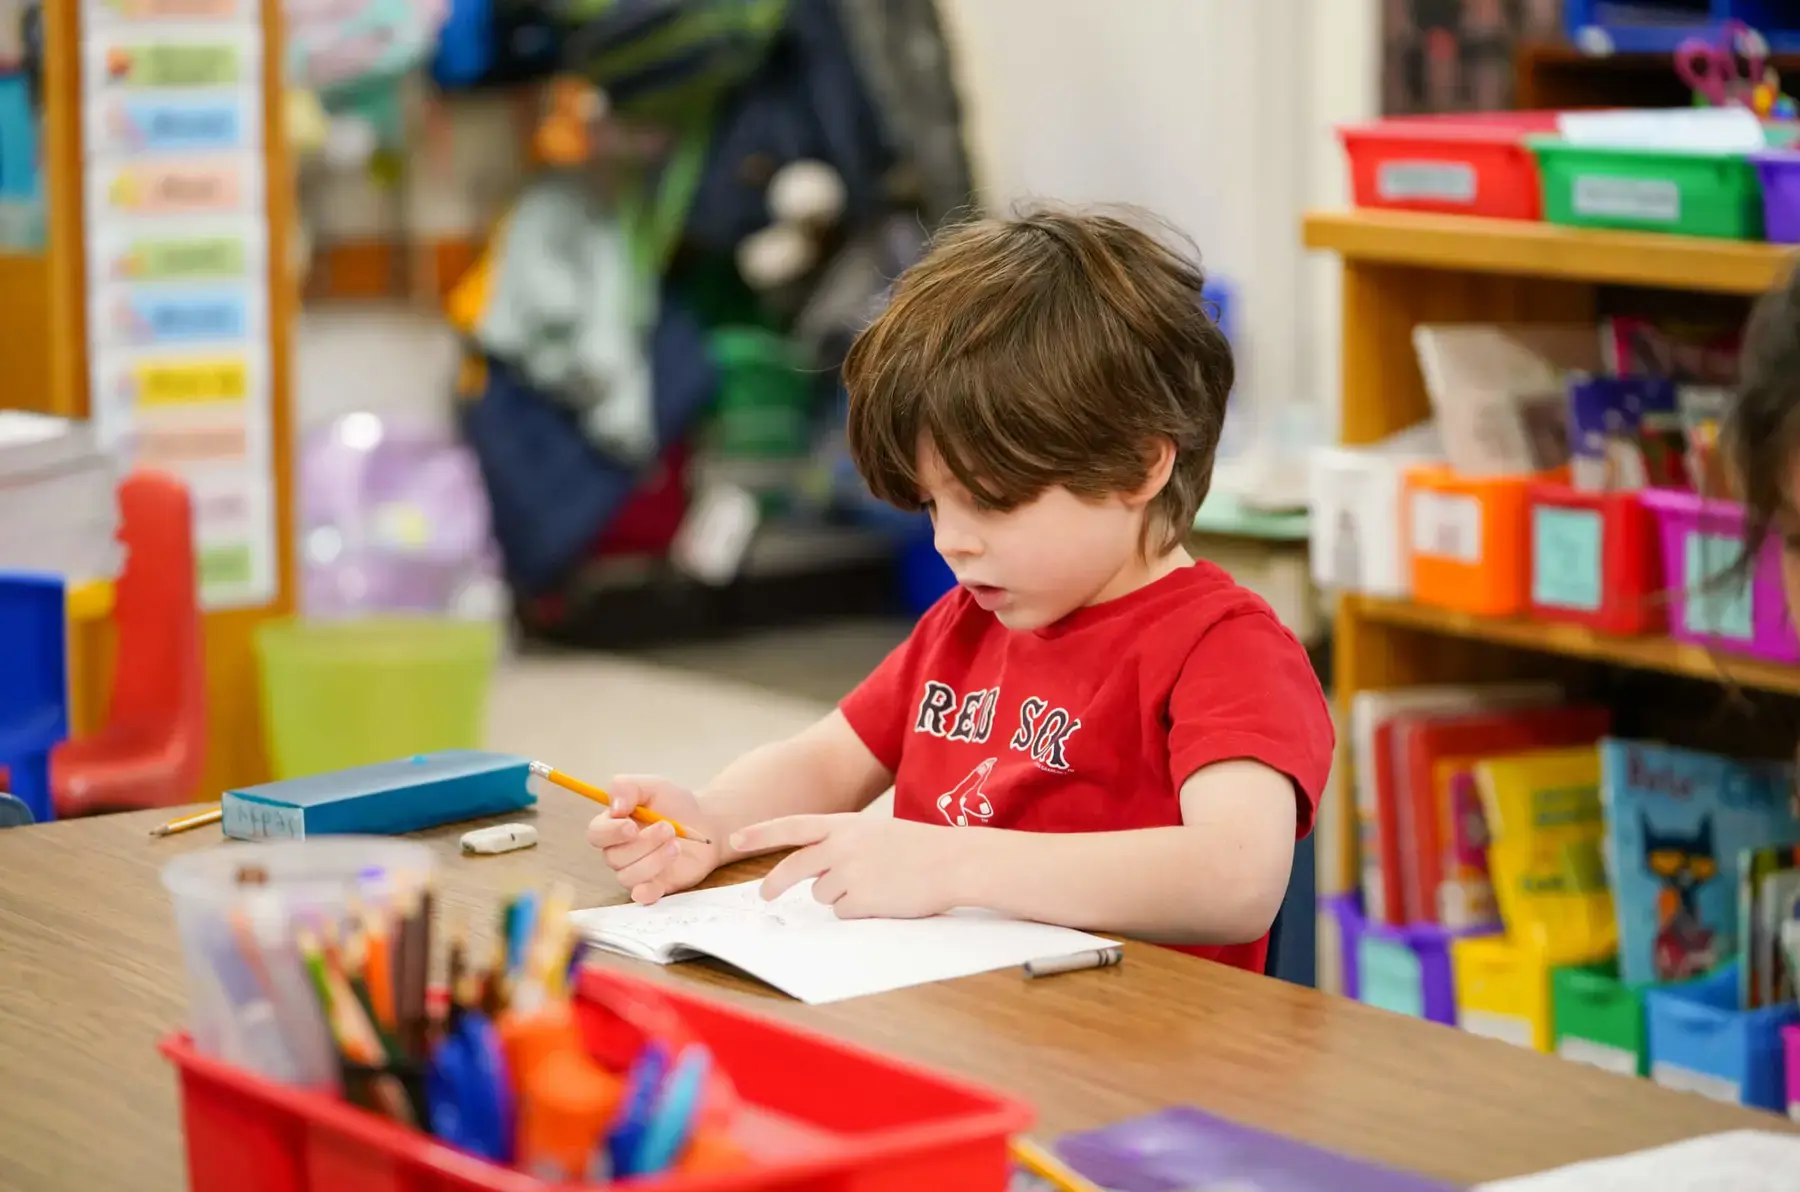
1677, 822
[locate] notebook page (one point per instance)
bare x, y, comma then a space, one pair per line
807, 952
1741, 1160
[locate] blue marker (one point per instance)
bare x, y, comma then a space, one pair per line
641, 1090
673, 1119
470, 1094
524, 919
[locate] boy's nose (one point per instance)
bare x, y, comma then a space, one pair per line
953, 541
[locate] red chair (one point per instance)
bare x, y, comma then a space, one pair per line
152, 748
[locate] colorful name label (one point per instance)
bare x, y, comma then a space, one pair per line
176, 64
198, 256
182, 188
178, 382
178, 316
172, 10
187, 125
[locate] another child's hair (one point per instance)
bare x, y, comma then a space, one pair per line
1050, 349
1762, 433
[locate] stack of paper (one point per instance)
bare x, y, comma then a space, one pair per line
59, 509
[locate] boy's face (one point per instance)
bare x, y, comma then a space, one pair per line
1035, 564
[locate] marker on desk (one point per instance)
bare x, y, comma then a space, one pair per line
1075, 962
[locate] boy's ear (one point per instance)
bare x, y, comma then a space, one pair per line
1162, 464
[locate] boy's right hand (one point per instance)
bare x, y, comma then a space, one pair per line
650, 860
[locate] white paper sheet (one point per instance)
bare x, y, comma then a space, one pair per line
1740, 1161
806, 951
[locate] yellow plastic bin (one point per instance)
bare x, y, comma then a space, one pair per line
347, 693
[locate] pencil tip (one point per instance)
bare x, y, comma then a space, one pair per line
159, 831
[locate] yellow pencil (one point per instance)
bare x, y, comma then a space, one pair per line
642, 815
198, 819
1047, 1167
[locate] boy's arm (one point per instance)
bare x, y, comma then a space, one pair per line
1219, 878
823, 769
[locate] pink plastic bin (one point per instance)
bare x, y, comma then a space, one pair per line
1701, 539
1790, 1049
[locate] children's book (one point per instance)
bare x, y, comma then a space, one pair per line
1545, 831
1677, 824
802, 948
1372, 772
1422, 741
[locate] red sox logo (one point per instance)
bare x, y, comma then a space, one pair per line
966, 801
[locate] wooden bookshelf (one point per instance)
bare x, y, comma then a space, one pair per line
1504, 246
1402, 269
1577, 641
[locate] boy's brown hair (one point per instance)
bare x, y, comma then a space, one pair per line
1048, 349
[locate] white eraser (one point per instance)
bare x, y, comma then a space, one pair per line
501, 838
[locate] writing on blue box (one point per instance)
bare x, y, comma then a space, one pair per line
178, 316
1566, 549
1715, 603
179, 125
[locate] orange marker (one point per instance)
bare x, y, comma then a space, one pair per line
567, 1105
643, 815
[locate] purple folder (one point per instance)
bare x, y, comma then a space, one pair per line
1183, 1148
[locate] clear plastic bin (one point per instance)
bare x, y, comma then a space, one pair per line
227, 925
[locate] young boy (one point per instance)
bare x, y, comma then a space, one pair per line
1092, 729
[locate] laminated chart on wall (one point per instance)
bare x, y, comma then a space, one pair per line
178, 268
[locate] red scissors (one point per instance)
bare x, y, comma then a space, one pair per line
1725, 71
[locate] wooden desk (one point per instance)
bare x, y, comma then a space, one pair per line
94, 979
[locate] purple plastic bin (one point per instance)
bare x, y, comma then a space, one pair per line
1407, 970
1779, 170
1701, 538
1790, 1048
1346, 911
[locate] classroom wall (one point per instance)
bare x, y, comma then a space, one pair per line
1215, 114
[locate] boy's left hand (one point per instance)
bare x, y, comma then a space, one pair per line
867, 866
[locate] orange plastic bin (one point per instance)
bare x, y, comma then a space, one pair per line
1469, 540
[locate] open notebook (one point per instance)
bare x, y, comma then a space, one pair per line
807, 952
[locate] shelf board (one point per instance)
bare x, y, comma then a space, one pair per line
1473, 245
1575, 641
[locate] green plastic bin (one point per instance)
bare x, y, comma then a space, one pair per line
338, 694
1598, 1019
765, 398
1657, 190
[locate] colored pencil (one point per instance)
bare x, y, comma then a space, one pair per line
198, 819
641, 815
1047, 1167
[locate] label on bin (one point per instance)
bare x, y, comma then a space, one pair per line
1508, 1028
1447, 527
1716, 602
1651, 200
1686, 1080
1598, 1055
1443, 181
1565, 558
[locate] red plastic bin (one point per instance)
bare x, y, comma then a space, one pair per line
818, 1116
1465, 163
1595, 560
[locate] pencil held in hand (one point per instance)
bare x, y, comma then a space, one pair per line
642, 815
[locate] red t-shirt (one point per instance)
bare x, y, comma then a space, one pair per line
1092, 724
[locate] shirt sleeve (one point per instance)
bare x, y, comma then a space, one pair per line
1248, 691
880, 708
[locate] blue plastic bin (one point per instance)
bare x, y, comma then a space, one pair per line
1699, 1041
1659, 26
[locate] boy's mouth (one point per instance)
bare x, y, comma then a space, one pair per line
986, 595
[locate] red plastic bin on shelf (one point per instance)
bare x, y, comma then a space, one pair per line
1466, 163
1595, 560
818, 1116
